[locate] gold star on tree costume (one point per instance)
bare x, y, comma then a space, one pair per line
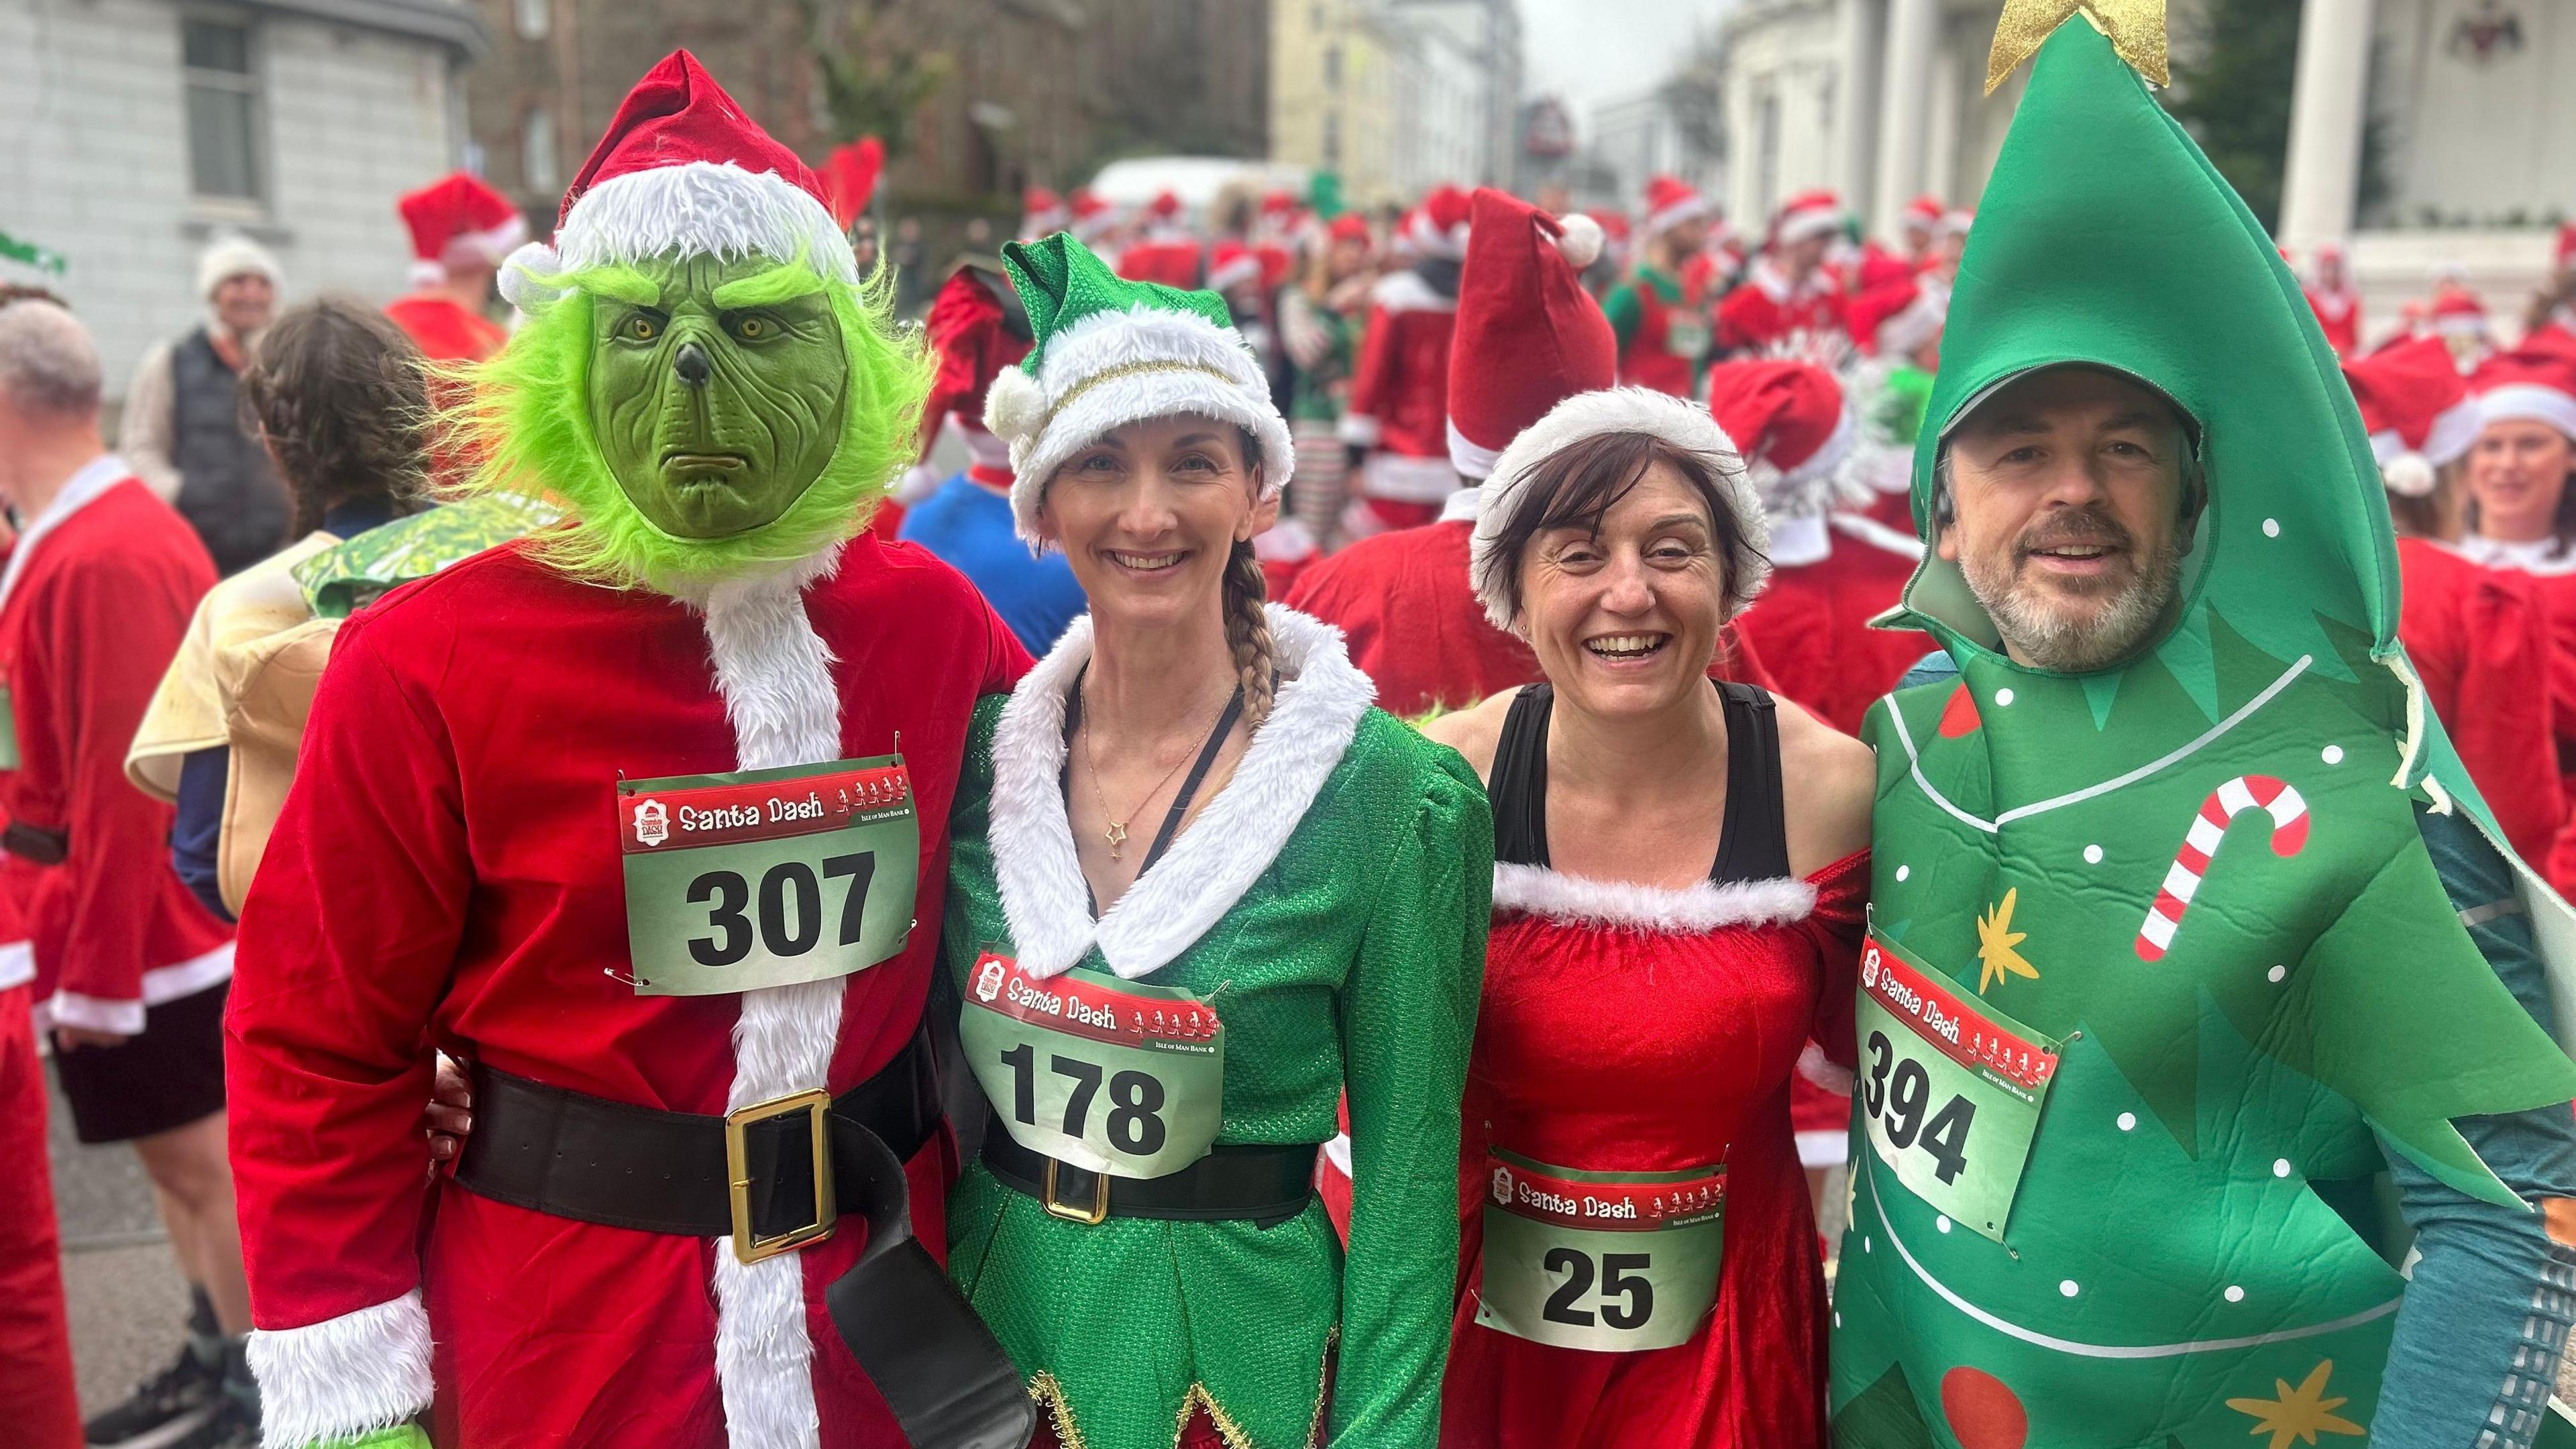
2168, 1251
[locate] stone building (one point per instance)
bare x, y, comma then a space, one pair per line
1397, 96
1024, 92
1883, 99
137, 129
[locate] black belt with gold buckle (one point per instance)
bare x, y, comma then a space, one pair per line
1264, 1184
773, 1176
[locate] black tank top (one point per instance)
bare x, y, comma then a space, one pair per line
1753, 844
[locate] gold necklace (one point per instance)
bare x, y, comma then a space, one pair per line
1116, 834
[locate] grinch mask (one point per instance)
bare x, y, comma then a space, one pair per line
703, 417
716, 389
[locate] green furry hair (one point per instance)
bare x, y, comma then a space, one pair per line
524, 416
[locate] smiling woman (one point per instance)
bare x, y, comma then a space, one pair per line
1201, 892
1680, 873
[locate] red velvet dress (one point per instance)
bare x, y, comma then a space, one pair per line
2479, 639
2550, 574
1629, 1029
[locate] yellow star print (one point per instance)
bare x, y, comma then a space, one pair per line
1995, 941
2136, 28
2301, 1413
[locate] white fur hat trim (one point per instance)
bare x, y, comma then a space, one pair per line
1676, 421
1115, 368
697, 208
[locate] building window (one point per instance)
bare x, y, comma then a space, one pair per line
1332, 140
536, 18
224, 153
537, 164
1332, 68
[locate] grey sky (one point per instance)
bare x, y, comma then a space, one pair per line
1590, 51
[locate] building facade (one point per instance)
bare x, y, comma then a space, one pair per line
1396, 96
138, 129
2480, 160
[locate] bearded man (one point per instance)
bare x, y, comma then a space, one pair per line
2206, 1086
634, 816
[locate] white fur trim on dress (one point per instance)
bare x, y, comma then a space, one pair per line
775, 674
1115, 368
697, 208
1405, 291
1677, 421
1575, 900
1208, 868
343, 1377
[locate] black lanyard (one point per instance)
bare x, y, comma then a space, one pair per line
1189, 786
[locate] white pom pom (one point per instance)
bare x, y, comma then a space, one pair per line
1581, 244
522, 274
2408, 475
1015, 407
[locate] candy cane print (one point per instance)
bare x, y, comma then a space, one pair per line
2246, 792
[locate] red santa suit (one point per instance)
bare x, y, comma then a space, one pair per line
1830, 575
1399, 403
2338, 311
450, 873
97, 596
1168, 253
1768, 310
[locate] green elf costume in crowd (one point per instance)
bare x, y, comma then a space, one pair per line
1320, 927
2179, 966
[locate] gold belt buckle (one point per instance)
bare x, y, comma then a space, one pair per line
1055, 1206
748, 1246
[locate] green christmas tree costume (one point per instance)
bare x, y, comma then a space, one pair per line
2161, 960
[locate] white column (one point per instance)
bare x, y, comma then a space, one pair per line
1910, 26
1941, 124
2327, 101
1856, 97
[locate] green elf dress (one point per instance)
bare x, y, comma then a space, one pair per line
2170, 971
1318, 929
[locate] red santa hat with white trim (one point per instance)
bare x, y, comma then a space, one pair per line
977, 328
1671, 201
683, 170
459, 220
1528, 335
2418, 411
1808, 214
2528, 384
1678, 422
1895, 318
1926, 213
1041, 212
1438, 227
1087, 216
2457, 312
1793, 426
1232, 264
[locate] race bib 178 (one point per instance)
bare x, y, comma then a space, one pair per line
1115, 1076
767, 877
1614, 1262
1951, 1089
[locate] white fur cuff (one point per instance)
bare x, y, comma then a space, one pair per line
1579, 901
345, 1376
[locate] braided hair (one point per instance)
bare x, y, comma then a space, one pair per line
1247, 622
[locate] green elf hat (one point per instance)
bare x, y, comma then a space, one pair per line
1110, 352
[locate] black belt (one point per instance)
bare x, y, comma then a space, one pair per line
1259, 1182
776, 1175
35, 843
750, 1174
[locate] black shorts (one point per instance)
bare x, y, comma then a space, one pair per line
170, 1076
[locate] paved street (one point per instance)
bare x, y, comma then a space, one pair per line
129, 1304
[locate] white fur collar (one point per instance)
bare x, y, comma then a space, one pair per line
1211, 865
1706, 906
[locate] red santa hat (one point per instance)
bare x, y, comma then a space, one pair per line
683, 170
1793, 426
2457, 312
1087, 216
1528, 336
1808, 214
1897, 317
850, 178
976, 329
1438, 228
2417, 409
1671, 201
1679, 422
1350, 226
1041, 212
1232, 264
459, 220
2529, 384
1926, 213
1958, 222
1163, 213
